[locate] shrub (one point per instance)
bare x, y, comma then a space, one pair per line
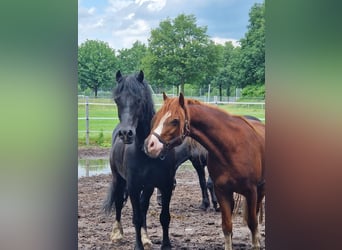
257, 90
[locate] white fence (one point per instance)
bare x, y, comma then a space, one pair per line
158, 102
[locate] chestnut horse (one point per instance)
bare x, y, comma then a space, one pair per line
236, 149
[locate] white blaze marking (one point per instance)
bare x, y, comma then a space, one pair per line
160, 126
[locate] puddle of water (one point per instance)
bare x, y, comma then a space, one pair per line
90, 167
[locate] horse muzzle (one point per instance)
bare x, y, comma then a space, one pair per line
126, 135
153, 147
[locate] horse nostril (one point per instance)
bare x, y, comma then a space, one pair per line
130, 133
151, 144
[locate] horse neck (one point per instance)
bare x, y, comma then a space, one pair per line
144, 127
182, 153
209, 131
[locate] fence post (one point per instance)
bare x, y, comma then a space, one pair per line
87, 121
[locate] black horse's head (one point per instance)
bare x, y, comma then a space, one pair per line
135, 106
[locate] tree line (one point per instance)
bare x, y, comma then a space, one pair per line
180, 54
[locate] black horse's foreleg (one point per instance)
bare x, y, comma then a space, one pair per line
134, 196
210, 186
165, 217
117, 232
116, 197
144, 204
201, 177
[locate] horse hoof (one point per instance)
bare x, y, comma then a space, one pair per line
204, 207
166, 247
116, 237
117, 233
147, 243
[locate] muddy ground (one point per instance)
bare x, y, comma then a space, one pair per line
190, 227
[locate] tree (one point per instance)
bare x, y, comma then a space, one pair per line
253, 48
224, 76
96, 65
179, 52
130, 60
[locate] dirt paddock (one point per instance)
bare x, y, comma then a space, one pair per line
190, 227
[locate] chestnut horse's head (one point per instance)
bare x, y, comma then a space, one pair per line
170, 125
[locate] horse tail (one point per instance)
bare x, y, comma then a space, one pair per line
108, 203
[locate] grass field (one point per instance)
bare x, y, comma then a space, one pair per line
101, 130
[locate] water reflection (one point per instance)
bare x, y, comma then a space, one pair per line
90, 167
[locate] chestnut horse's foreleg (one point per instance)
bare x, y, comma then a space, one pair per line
252, 220
261, 195
226, 202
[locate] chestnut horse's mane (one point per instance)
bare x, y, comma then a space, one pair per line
196, 102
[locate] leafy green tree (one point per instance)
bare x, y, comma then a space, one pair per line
96, 65
252, 61
225, 76
179, 52
130, 60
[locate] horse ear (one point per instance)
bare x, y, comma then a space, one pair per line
165, 96
181, 99
118, 76
140, 76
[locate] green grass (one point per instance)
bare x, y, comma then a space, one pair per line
101, 130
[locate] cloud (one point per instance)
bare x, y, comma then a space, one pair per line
152, 5
122, 22
219, 40
130, 16
118, 5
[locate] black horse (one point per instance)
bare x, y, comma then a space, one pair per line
131, 167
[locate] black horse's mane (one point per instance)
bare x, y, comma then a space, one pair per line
142, 94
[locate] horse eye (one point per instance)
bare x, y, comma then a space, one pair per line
174, 122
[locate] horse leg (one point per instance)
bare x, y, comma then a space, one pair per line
252, 221
210, 186
144, 203
117, 231
134, 195
165, 217
226, 201
261, 195
159, 199
115, 196
201, 177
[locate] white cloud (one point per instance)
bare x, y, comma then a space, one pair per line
220, 40
91, 11
130, 16
153, 5
122, 22
118, 5
138, 27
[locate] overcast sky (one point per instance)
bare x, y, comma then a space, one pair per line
122, 22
